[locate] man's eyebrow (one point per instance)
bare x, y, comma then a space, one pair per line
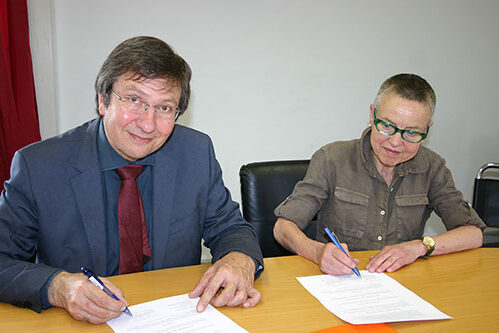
133, 90
138, 91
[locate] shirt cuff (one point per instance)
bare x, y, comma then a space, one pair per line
259, 268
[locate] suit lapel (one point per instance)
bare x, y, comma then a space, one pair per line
87, 187
164, 179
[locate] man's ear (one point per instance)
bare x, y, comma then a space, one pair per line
102, 107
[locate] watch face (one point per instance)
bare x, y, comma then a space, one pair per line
428, 241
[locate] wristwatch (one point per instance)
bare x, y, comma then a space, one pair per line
430, 245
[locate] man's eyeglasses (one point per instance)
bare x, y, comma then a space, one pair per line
136, 105
386, 128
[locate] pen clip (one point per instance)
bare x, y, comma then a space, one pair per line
92, 276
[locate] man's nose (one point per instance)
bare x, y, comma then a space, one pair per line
146, 120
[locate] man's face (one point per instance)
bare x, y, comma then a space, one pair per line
133, 135
404, 114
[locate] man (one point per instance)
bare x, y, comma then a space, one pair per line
377, 192
66, 201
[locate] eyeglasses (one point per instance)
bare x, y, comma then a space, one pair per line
136, 105
386, 128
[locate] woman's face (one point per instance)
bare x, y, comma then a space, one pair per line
389, 151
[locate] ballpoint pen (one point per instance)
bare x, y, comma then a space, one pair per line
336, 242
96, 281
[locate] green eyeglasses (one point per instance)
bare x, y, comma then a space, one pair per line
386, 128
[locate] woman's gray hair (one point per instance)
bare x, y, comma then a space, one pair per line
408, 86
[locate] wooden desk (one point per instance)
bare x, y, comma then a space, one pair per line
463, 285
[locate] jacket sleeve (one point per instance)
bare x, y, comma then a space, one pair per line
225, 230
20, 278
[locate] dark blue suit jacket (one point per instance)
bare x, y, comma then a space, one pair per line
52, 207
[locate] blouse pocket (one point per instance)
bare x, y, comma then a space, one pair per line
412, 213
350, 213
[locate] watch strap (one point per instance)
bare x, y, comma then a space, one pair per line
427, 254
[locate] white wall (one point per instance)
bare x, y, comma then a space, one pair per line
278, 79
41, 40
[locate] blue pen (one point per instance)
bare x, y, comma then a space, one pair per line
336, 242
96, 281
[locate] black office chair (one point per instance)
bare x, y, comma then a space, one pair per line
264, 186
486, 202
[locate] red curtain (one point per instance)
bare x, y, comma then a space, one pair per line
18, 114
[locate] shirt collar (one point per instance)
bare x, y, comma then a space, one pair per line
109, 158
418, 164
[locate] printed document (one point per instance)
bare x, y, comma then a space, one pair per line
373, 298
173, 314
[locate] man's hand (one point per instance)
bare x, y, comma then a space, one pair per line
393, 257
229, 281
83, 300
333, 261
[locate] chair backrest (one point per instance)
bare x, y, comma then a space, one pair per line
264, 186
486, 195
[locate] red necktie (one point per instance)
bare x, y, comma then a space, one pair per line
134, 243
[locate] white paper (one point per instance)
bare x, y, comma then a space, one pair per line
173, 314
373, 298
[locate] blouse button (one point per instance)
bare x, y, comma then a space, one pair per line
382, 212
380, 237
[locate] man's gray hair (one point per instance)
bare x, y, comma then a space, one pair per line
143, 57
